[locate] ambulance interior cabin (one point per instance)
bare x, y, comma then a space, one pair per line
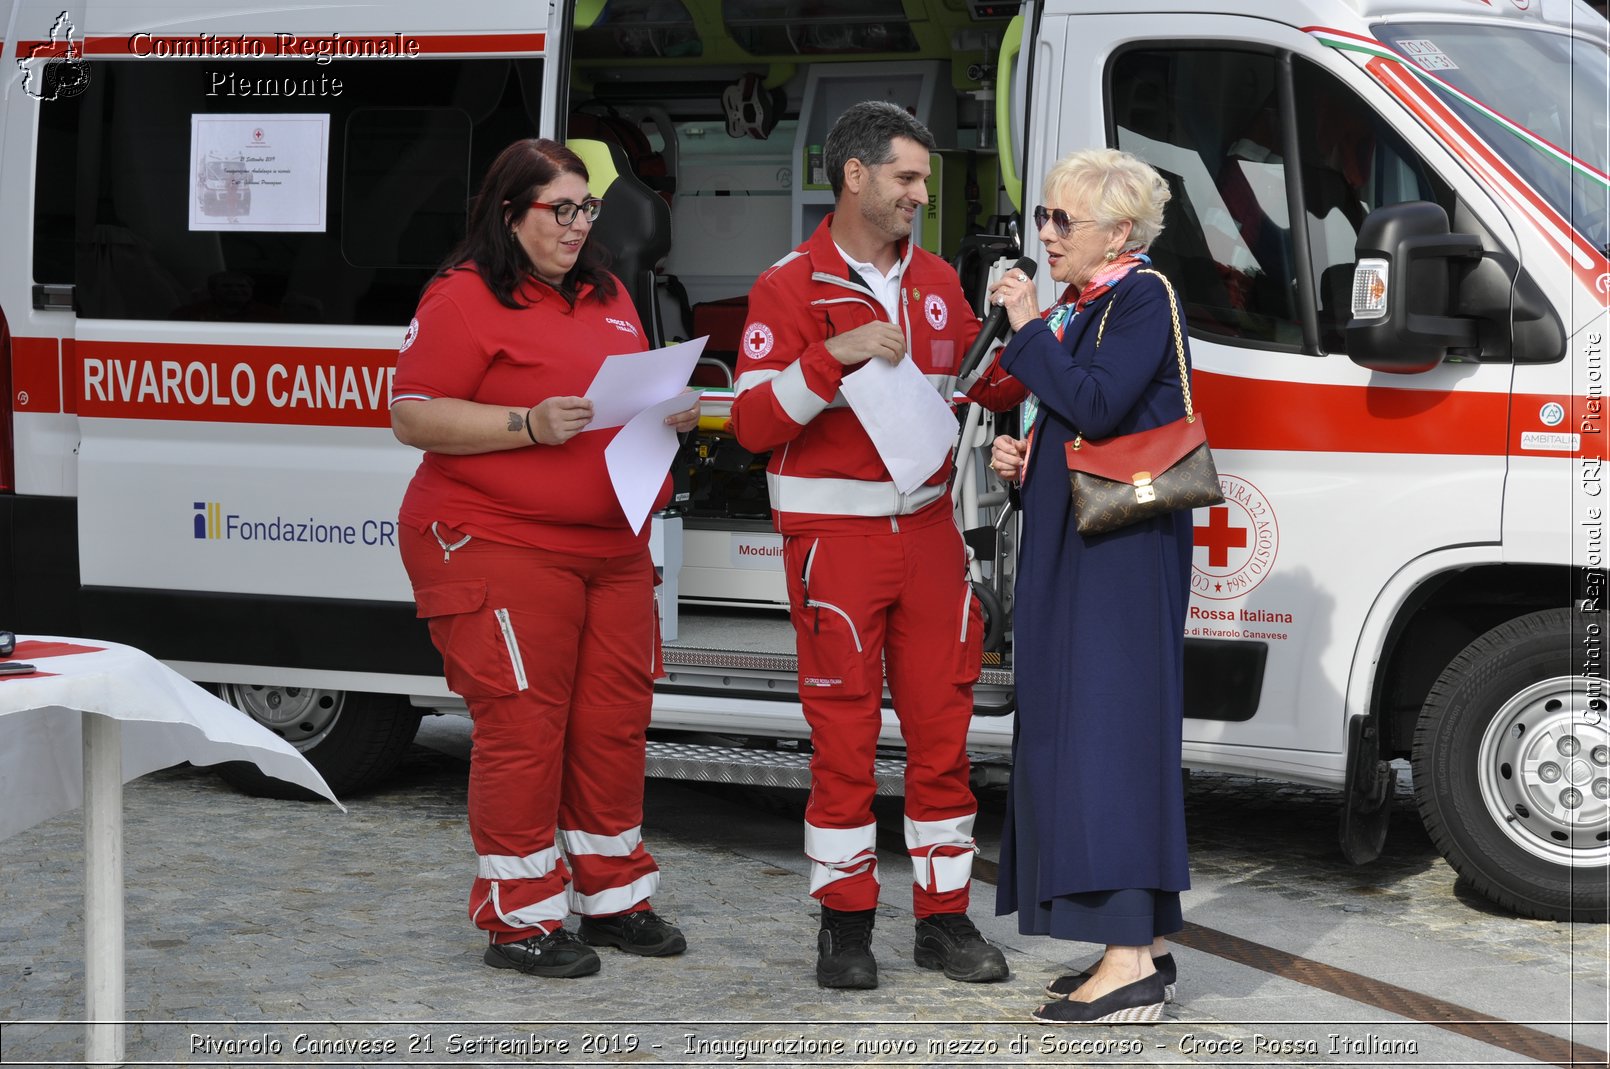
712, 115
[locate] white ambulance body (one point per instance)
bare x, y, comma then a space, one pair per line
217, 219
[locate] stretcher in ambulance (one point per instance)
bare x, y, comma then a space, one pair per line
1389, 230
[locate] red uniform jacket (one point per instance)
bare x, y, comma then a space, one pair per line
825, 476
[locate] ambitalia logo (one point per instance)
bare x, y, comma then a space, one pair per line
209, 522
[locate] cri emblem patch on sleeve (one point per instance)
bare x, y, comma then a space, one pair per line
757, 340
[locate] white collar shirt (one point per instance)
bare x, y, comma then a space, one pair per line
885, 287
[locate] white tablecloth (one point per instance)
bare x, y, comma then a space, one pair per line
166, 719
93, 716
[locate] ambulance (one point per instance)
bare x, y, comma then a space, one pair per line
1389, 232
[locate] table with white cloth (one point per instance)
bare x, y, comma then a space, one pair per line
93, 716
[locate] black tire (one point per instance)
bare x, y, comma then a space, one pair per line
1527, 836
994, 618
355, 740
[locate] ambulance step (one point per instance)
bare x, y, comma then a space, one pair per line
753, 768
697, 659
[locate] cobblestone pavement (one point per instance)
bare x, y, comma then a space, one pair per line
267, 932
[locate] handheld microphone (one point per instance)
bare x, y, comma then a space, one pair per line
994, 326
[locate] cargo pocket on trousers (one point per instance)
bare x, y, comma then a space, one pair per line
970, 640
479, 646
831, 659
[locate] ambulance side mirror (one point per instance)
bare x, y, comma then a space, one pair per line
1405, 281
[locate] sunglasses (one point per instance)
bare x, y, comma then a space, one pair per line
1058, 218
564, 213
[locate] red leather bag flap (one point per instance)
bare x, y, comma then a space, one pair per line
1155, 451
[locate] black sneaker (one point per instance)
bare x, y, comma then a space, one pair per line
1067, 984
556, 954
949, 941
844, 949
640, 933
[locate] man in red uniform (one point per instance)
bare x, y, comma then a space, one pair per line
876, 577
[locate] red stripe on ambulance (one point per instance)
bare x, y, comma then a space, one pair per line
291, 46
35, 375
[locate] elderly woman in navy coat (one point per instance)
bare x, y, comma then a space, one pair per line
1094, 845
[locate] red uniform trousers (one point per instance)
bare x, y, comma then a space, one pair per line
897, 599
556, 656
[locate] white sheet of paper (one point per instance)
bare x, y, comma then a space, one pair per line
911, 426
628, 383
258, 172
641, 454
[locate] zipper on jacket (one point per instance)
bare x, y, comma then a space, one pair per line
654, 632
515, 662
967, 616
805, 584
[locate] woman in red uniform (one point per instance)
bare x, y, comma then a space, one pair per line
539, 595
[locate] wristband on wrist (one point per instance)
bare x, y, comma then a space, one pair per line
529, 433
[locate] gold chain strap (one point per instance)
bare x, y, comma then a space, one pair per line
1179, 346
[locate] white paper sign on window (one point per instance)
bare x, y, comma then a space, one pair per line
258, 172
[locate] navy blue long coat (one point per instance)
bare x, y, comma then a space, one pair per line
1098, 626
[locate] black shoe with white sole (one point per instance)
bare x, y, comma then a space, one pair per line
559, 953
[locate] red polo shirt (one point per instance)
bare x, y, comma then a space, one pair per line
463, 343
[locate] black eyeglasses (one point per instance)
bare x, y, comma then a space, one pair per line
564, 213
1058, 218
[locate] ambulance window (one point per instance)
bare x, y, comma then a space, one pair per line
1209, 121
55, 174
406, 186
405, 137
1352, 163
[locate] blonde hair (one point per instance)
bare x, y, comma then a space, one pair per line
1113, 186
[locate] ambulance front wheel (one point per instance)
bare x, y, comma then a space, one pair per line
1512, 768
353, 739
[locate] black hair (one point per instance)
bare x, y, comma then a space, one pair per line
866, 132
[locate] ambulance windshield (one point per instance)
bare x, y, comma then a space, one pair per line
1536, 97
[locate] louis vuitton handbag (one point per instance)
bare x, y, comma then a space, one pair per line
1132, 477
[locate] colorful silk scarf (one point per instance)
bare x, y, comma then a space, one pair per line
1059, 315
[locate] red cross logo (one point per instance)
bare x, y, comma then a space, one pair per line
757, 340
1219, 537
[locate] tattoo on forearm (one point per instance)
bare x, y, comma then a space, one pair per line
516, 421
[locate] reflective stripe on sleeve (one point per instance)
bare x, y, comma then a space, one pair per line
750, 379
798, 400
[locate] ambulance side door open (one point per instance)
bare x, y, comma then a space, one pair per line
1255, 124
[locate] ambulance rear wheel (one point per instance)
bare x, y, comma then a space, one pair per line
994, 618
1512, 770
354, 739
